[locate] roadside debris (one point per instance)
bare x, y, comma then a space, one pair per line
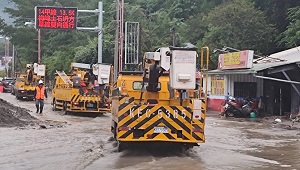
277, 120
13, 116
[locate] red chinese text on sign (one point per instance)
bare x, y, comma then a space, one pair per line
56, 18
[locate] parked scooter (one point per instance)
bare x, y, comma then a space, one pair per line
234, 109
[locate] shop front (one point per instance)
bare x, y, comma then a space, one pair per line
223, 84
273, 81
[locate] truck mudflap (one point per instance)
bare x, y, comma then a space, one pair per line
158, 123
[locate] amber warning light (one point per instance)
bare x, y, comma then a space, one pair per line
55, 18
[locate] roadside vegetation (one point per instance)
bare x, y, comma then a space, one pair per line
264, 26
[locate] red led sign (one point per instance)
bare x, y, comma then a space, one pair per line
55, 18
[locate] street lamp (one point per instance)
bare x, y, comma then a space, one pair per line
39, 41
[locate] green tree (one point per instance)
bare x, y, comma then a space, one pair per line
242, 24
237, 24
291, 36
277, 13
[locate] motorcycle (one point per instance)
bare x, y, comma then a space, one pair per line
234, 109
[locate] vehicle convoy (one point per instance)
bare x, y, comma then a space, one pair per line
25, 83
86, 89
163, 103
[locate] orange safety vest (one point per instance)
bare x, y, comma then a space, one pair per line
40, 93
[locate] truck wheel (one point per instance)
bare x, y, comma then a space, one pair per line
54, 105
66, 112
65, 108
121, 146
115, 130
185, 147
18, 98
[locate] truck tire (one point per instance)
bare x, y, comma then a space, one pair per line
54, 105
121, 146
66, 112
114, 130
17, 96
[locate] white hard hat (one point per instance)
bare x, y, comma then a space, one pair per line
41, 82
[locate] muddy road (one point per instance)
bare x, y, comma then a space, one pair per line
84, 143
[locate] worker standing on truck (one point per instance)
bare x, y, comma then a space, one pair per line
40, 94
29, 75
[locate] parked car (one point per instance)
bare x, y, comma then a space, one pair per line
7, 83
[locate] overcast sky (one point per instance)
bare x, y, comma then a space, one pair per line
5, 16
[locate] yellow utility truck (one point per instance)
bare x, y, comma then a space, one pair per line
25, 84
85, 89
164, 102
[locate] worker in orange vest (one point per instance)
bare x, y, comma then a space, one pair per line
40, 94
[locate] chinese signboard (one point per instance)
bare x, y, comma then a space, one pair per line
55, 18
236, 60
217, 85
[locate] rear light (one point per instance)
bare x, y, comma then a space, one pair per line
75, 103
149, 136
197, 130
124, 128
197, 116
22, 91
108, 105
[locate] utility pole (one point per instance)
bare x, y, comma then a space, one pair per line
121, 34
116, 63
100, 33
13, 62
118, 56
39, 46
6, 54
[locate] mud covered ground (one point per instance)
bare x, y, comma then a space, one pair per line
14, 116
83, 142
18, 117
